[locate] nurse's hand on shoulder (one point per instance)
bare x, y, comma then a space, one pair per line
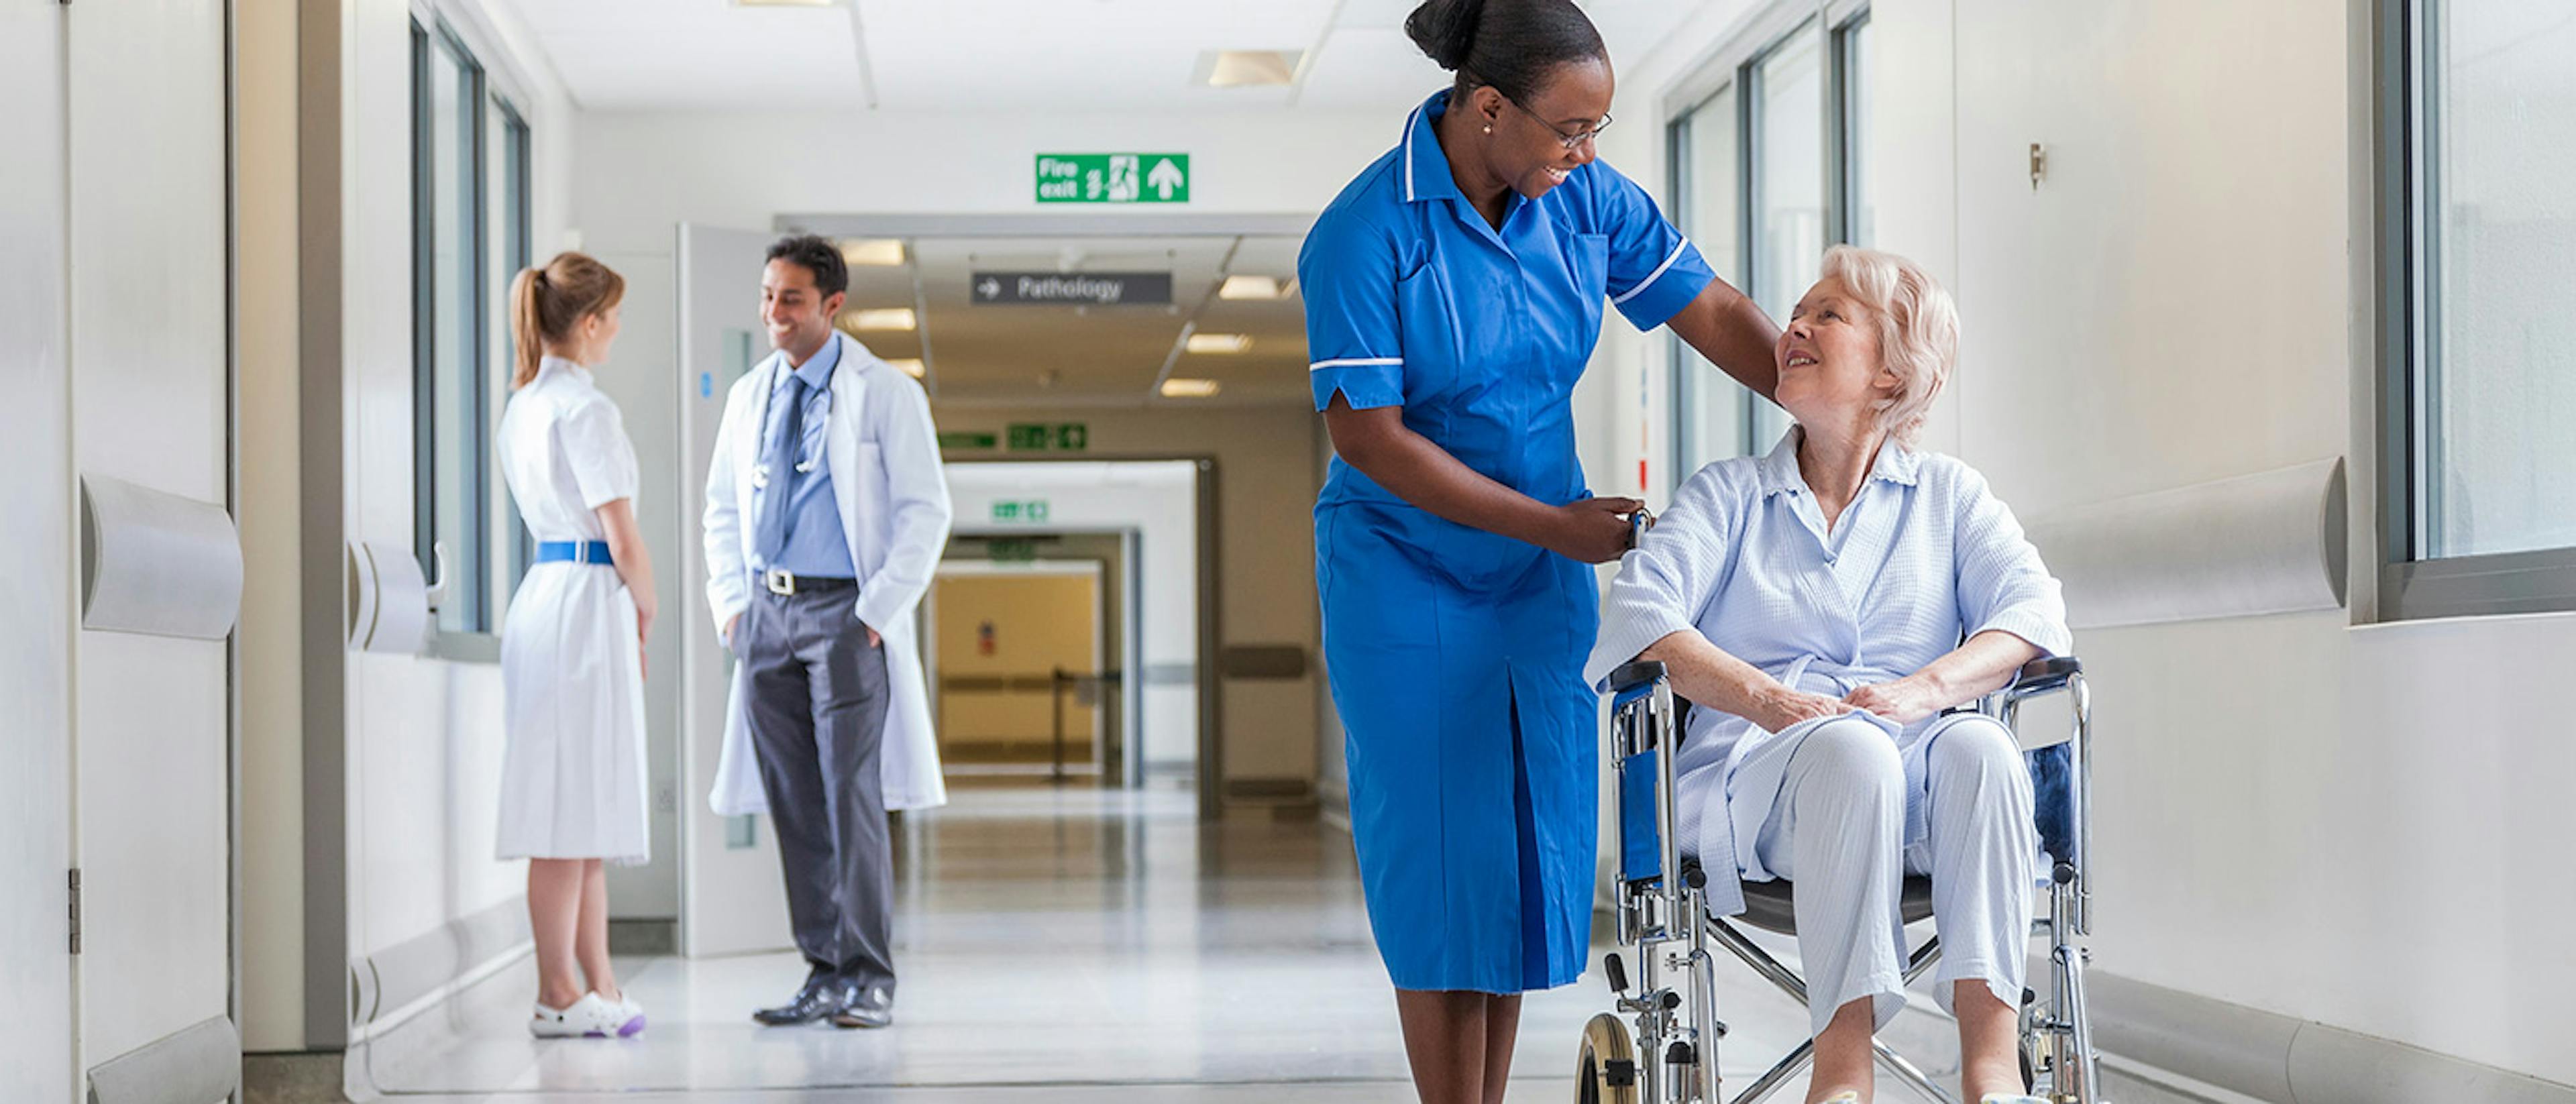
1593, 530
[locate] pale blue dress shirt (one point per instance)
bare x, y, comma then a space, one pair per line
816, 544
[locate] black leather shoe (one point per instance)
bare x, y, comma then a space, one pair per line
822, 995
870, 1006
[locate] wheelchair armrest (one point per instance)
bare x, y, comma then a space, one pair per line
2042, 675
1629, 676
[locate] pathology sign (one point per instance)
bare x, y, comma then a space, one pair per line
1095, 289
1113, 177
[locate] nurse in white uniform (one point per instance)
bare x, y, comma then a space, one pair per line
1820, 607
572, 660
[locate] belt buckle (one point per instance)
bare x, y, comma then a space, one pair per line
779, 580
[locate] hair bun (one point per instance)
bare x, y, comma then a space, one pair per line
1445, 30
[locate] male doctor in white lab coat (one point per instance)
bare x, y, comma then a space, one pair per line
826, 513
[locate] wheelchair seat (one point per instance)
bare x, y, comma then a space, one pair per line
1773, 906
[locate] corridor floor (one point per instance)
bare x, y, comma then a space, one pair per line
1065, 945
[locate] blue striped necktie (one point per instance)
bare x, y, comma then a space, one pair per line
779, 461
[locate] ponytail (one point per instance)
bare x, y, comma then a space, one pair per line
548, 302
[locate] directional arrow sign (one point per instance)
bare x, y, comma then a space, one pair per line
1113, 178
1165, 177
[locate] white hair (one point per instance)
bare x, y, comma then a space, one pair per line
1918, 331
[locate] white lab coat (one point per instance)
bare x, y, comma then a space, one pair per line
883, 453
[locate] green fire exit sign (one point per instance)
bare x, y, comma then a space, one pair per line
1113, 177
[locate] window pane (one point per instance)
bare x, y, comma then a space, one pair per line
1789, 170
1709, 407
1861, 222
2499, 383
452, 441
510, 249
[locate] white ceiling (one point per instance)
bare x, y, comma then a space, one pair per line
1002, 55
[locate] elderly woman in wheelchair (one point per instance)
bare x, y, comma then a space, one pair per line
1824, 608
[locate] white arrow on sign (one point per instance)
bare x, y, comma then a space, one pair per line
990, 288
1165, 177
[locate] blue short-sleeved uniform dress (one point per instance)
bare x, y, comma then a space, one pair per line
1456, 655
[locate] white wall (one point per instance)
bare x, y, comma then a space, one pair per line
423, 735
2362, 826
147, 271
36, 607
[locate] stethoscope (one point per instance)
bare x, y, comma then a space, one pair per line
760, 473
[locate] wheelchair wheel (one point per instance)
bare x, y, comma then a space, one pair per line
1606, 1070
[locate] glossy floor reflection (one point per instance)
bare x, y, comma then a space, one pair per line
1071, 945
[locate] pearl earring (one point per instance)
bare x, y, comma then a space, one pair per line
1489, 128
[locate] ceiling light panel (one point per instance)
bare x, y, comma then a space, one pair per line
1219, 342
887, 320
872, 252
1179, 388
1247, 68
1254, 288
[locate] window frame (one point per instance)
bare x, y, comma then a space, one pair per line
1735, 64
518, 246
2406, 205
493, 535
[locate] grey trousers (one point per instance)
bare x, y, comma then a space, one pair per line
815, 699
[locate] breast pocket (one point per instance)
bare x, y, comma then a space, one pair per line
1588, 262
1427, 319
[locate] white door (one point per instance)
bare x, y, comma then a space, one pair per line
35, 558
733, 899
149, 405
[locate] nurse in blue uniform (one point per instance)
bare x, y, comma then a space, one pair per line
1454, 292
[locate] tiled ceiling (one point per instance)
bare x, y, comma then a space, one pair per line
1002, 55
1090, 355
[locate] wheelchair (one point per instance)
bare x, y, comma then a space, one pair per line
1671, 1055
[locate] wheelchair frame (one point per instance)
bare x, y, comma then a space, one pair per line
1671, 1058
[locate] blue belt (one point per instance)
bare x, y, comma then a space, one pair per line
593, 552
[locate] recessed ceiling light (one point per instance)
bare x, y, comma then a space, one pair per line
910, 366
872, 252
879, 321
1219, 343
1247, 68
1189, 388
1252, 287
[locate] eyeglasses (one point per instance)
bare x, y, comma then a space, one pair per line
1572, 141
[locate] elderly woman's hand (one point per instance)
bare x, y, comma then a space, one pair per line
1903, 701
1779, 707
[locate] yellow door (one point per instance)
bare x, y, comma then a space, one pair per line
1004, 638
